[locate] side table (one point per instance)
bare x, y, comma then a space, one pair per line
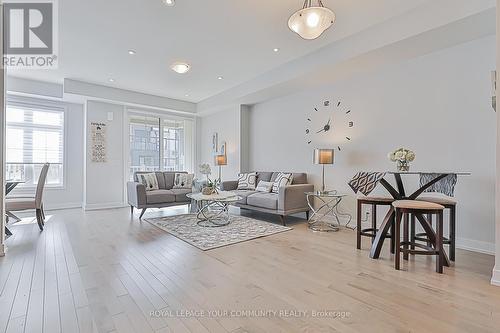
330, 202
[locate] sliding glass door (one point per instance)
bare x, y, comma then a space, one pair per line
160, 143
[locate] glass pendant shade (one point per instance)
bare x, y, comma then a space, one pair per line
311, 21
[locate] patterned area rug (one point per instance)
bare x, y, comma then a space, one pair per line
240, 229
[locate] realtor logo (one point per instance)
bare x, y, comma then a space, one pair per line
30, 34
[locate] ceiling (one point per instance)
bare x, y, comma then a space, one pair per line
233, 39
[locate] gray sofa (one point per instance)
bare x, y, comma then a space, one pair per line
165, 196
290, 200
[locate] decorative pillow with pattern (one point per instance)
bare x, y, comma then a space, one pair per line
247, 181
149, 180
183, 180
265, 187
283, 179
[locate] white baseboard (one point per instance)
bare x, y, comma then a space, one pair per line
109, 205
495, 277
476, 246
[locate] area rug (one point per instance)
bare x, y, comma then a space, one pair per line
241, 229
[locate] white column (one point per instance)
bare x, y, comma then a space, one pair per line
495, 279
2, 145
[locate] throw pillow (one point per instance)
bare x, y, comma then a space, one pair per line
183, 180
265, 187
283, 179
149, 180
247, 181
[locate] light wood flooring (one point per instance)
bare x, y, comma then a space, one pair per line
104, 271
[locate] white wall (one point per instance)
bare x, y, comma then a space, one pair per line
495, 279
104, 182
227, 124
438, 105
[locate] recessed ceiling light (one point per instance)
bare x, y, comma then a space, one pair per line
276, 49
169, 2
131, 52
220, 78
180, 67
111, 80
187, 95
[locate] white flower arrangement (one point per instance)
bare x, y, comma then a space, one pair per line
211, 184
205, 169
402, 156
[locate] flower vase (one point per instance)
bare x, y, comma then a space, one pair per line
403, 165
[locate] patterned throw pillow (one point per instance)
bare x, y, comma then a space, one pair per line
265, 187
149, 180
283, 179
247, 181
183, 180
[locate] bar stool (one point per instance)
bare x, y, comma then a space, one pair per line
371, 232
451, 205
403, 209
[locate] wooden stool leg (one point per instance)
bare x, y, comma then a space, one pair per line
405, 236
429, 218
452, 235
439, 243
358, 228
412, 232
374, 221
393, 244
397, 239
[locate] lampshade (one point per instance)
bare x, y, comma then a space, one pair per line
220, 160
323, 156
311, 21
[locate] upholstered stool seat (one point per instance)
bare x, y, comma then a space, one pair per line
372, 232
451, 205
403, 209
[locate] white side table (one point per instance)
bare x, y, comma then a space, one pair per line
329, 206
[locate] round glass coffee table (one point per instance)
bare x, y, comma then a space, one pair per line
329, 205
213, 209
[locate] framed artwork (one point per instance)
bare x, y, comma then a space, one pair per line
98, 137
222, 150
215, 142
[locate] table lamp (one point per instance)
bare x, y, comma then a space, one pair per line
220, 160
323, 156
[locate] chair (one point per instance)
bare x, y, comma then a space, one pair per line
371, 232
24, 203
451, 205
403, 209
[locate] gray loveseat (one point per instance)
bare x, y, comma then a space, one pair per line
165, 196
290, 200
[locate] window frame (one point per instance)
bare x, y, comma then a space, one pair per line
162, 116
43, 105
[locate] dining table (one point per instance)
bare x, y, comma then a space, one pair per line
436, 181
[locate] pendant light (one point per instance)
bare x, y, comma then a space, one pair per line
311, 21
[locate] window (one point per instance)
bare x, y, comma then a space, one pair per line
35, 135
158, 143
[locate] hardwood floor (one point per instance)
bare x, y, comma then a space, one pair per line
105, 272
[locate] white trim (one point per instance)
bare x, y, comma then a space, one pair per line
495, 277
126, 96
476, 246
100, 206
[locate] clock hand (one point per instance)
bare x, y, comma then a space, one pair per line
329, 121
322, 130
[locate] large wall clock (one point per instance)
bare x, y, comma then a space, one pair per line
331, 122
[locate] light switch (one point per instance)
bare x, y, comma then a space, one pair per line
110, 116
